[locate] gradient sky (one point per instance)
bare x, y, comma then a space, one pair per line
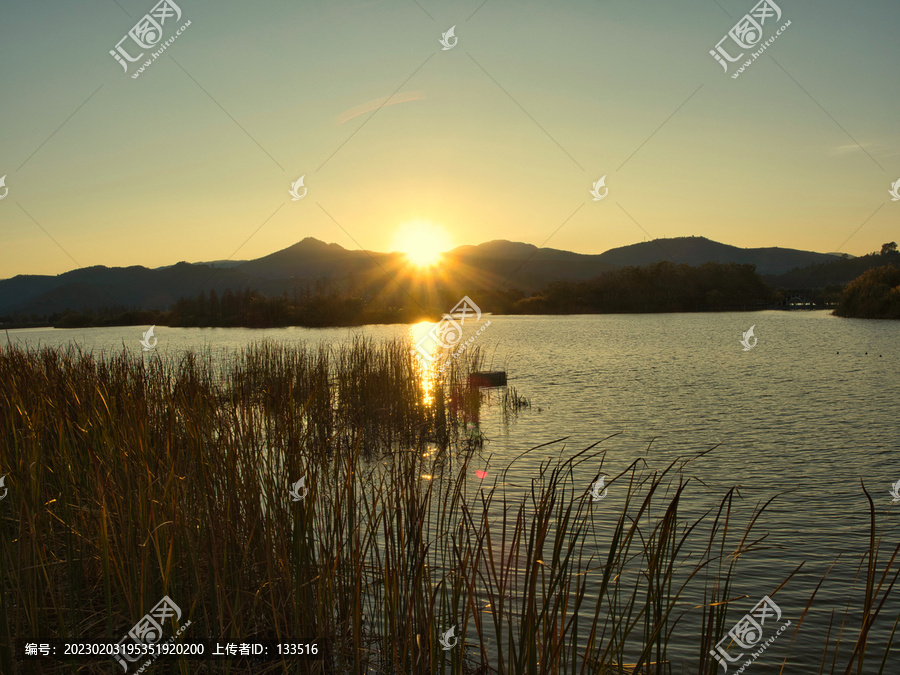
497, 138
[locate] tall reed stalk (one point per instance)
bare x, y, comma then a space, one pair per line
131, 478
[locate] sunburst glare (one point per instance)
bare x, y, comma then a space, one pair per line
422, 242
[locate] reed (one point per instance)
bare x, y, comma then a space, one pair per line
513, 402
132, 477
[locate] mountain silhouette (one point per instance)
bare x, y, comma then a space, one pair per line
310, 263
698, 250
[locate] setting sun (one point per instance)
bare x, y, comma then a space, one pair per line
422, 243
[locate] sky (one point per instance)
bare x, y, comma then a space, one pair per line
500, 136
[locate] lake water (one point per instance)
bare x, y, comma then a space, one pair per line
805, 415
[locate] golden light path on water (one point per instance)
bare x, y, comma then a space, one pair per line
426, 371
422, 345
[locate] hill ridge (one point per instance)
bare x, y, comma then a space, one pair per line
312, 262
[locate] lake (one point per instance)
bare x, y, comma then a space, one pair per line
804, 416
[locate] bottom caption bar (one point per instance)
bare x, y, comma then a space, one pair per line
68, 650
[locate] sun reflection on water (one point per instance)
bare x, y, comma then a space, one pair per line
462, 401
426, 369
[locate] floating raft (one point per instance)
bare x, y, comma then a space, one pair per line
488, 378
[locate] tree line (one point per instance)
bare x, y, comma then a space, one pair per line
660, 287
254, 309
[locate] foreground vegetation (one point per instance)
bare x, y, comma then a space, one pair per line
132, 477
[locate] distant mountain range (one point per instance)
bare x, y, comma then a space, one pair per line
312, 264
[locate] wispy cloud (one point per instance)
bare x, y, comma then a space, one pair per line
374, 104
880, 150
